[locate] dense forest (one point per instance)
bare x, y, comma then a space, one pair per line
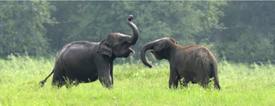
239, 31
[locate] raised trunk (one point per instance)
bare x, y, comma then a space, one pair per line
143, 51
134, 38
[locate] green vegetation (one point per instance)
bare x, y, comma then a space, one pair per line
237, 31
22, 29
240, 31
135, 84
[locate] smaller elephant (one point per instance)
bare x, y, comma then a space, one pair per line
192, 63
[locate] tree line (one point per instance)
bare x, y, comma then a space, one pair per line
238, 31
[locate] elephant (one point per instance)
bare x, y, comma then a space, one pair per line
191, 63
86, 61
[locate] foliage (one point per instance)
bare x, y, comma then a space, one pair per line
22, 27
249, 35
135, 84
94, 20
240, 31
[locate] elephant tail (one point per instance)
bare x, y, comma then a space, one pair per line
214, 72
42, 83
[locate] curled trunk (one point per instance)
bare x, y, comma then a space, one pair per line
142, 54
134, 38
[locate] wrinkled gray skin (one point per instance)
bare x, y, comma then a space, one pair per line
84, 61
192, 63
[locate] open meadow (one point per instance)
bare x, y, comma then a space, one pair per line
135, 85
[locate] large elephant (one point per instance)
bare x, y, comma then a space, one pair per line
84, 61
191, 63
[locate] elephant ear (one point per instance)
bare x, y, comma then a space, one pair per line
173, 40
104, 49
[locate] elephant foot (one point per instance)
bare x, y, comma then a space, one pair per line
217, 86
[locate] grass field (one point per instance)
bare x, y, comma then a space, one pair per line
135, 85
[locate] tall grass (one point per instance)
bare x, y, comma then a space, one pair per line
136, 85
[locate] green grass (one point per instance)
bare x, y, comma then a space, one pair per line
136, 85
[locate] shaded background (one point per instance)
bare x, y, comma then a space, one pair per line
239, 31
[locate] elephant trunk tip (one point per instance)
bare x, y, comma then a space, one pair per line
144, 60
143, 56
130, 17
135, 30
150, 66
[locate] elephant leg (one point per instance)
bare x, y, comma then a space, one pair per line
204, 82
58, 80
216, 83
106, 81
111, 72
104, 72
185, 82
174, 78
70, 84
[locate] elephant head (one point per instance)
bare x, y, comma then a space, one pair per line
118, 44
160, 48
